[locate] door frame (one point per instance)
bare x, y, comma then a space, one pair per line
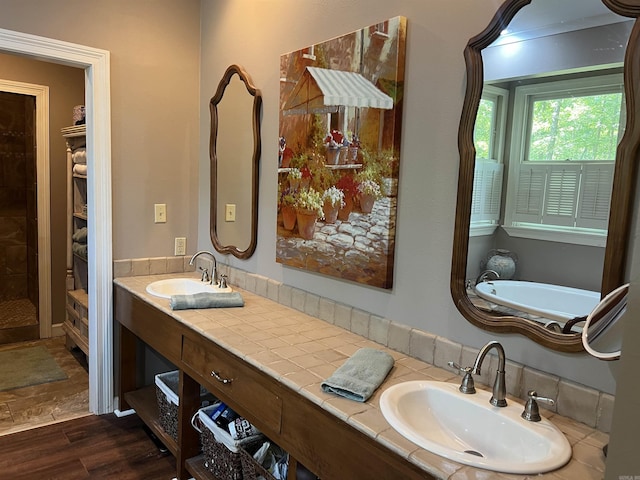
95, 63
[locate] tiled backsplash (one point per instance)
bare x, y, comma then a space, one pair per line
573, 400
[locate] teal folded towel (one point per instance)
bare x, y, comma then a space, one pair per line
360, 375
206, 300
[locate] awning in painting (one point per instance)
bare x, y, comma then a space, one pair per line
321, 90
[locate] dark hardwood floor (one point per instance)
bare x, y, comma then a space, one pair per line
95, 447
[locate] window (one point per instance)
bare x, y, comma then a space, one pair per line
565, 136
488, 138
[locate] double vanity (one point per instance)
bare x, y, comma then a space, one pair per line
267, 362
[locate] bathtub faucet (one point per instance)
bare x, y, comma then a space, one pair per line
484, 276
498, 399
212, 278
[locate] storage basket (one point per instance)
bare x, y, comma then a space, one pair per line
223, 454
251, 469
168, 401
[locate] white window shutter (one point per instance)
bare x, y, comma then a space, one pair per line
487, 191
530, 194
595, 196
561, 198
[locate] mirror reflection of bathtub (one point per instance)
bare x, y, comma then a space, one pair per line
551, 305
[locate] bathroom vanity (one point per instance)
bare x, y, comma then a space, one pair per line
319, 440
267, 361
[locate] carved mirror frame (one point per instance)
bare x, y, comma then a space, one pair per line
622, 197
255, 161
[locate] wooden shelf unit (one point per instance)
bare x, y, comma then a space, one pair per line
76, 324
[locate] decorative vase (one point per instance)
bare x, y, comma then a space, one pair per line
306, 224
366, 202
288, 217
305, 182
294, 183
503, 262
344, 212
330, 212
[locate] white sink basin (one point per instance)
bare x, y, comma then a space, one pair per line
467, 429
182, 286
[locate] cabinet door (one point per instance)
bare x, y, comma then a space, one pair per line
234, 382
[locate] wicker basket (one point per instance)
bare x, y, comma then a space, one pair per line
168, 401
251, 469
223, 455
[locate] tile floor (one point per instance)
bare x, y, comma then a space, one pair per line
39, 405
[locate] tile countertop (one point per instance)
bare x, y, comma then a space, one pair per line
301, 351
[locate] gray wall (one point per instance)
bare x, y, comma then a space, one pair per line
161, 84
434, 91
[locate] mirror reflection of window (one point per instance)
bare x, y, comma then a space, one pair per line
489, 140
565, 135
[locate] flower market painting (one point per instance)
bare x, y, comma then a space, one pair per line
339, 153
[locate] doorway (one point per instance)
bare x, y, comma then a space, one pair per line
18, 220
95, 63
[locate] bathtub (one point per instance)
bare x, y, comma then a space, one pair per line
553, 302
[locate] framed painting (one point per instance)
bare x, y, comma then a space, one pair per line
339, 154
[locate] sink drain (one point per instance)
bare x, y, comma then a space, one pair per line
473, 452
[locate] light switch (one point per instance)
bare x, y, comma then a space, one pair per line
160, 210
230, 212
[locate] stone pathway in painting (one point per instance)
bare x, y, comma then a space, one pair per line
360, 249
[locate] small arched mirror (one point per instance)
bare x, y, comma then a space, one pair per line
534, 77
234, 151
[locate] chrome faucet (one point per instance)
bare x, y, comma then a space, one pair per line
484, 276
214, 274
498, 399
531, 411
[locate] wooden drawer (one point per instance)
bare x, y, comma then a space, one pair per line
246, 390
155, 328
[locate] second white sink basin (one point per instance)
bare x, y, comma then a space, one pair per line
182, 286
467, 429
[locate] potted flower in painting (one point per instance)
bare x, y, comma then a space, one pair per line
334, 143
294, 177
288, 209
350, 189
353, 149
308, 209
332, 202
369, 192
305, 177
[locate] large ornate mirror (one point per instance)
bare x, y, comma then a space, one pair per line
542, 80
235, 155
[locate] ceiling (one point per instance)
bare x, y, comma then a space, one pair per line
547, 17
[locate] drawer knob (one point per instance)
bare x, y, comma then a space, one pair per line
217, 376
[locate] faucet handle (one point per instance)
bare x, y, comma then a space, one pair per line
223, 281
531, 411
467, 385
205, 274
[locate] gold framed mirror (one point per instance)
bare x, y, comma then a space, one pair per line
622, 195
234, 151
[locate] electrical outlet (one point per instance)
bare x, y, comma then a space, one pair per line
180, 246
160, 213
230, 212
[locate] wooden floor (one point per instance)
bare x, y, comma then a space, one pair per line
95, 447
38, 405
